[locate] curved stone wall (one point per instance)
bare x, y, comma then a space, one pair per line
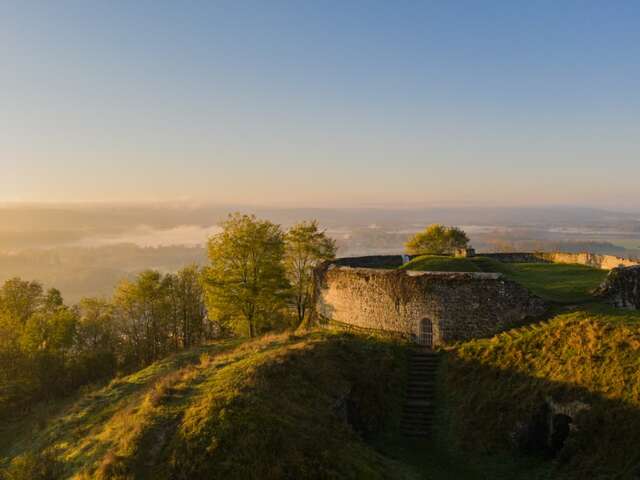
460, 305
604, 262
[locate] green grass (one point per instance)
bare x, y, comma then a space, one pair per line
437, 263
591, 355
284, 406
328, 405
561, 283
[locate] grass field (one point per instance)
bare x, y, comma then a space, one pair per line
562, 283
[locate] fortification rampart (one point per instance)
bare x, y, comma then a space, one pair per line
456, 306
604, 262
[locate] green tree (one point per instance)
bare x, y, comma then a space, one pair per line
97, 329
188, 312
98, 341
20, 299
142, 308
51, 331
306, 247
246, 280
437, 239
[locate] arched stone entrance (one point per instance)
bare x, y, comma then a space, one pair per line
425, 334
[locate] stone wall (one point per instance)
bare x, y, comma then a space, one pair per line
460, 305
604, 262
516, 257
371, 261
621, 288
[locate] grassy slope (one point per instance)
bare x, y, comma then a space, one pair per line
562, 283
591, 355
269, 408
437, 263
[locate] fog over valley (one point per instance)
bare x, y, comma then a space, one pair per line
86, 250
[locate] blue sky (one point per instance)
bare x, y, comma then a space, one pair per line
321, 103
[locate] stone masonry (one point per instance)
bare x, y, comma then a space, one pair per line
459, 305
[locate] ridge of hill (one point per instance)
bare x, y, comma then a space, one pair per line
581, 367
282, 406
328, 404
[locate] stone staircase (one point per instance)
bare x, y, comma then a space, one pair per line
417, 416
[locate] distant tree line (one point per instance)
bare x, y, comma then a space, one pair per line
259, 278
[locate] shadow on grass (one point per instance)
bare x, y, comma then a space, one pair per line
553, 429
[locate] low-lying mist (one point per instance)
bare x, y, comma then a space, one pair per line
86, 250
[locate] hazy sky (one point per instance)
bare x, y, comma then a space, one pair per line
321, 102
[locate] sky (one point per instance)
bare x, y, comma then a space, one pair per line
321, 103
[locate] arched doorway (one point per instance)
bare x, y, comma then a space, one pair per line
425, 336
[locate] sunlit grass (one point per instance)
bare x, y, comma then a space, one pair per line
563, 283
221, 409
591, 355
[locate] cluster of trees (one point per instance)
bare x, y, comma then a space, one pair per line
48, 349
259, 278
438, 240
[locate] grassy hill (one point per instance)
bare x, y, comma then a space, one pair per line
561, 283
327, 405
279, 407
590, 356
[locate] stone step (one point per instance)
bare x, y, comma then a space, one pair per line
420, 388
414, 422
416, 428
418, 405
420, 391
423, 394
417, 433
418, 418
418, 411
